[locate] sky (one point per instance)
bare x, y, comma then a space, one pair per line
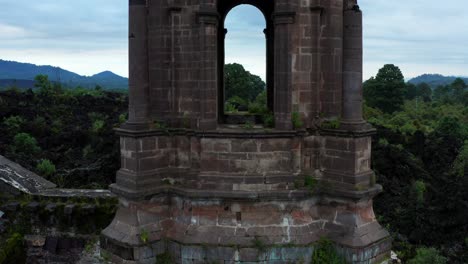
90, 36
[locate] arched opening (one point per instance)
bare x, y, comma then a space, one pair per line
245, 62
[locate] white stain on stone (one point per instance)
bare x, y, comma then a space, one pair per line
288, 230
236, 256
13, 182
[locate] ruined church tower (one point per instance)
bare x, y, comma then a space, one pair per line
200, 190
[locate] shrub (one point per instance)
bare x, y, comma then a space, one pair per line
419, 188
238, 102
248, 125
13, 124
56, 127
122, 118
97, 122
25, 144
296, 120
164, 258
12, 251
259, 106
255, 108
310, 182
39, 125
46, 168
98, 126
269, 120
331, 124
230, 108
325, 253
427, 255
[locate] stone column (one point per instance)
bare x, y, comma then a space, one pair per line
138, 114
208, 19
283, 69
352, 118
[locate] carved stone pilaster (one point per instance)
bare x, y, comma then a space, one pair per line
138, 66
283, 69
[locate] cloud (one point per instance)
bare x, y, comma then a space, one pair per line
420, 36
86, 36
245, 40
9, 32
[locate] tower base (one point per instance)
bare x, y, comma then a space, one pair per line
282, 227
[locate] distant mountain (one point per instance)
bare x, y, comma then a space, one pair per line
25, 84
22, 73
435, 80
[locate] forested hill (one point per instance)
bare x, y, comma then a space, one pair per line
435, 80
16, 73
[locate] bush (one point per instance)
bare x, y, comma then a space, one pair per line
98, 126
296, 120
238, 103
39, 126
269, 120
259, 106
419, 189
164, 258
427, 255
97, 122
46, 168
56, 127
24, 143
12, 251
230, 108
13, 124
325, 253
122, 118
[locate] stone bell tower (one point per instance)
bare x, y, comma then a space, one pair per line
200, 190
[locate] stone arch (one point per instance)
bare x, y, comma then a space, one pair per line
267, 9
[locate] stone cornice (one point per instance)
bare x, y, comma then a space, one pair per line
207, 16
284, 17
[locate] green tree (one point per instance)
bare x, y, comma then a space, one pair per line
42, 82
411, 91
46, 87
387, 90
442, 93
13, 124
458, 87
259, 106
424, 91
46, 168
427, 255
24, 143
241, 83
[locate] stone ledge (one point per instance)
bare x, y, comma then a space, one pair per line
276, 195
220, 133
348, 133
285, 195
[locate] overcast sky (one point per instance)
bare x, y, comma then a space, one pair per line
90, 36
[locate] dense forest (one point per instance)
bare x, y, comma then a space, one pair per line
65, 135
420, 155
420, 152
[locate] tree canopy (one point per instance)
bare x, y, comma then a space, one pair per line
387, 90
241, 83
